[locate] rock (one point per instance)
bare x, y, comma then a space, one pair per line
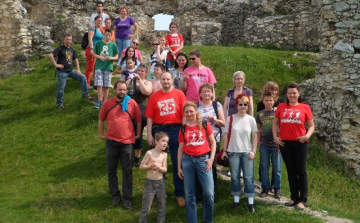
356, 43
341, 6
342, 47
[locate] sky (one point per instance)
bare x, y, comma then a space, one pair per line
162, 21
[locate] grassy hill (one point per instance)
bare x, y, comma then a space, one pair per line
52, 163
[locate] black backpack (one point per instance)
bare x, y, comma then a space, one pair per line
85, 40
165, 61
204, 125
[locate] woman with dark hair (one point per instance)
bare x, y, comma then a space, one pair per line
122, 29
196, 155
181, 63
121, 65
292, 117
94, 34
240, 148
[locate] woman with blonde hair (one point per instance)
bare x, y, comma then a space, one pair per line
196, 155
240, 148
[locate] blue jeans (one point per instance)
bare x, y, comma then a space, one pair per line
173, 133
122, 44
237, 162
267, 153
62, 77
192, 166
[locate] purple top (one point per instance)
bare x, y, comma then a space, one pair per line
123, 27
232, 105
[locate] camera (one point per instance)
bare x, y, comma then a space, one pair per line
131, 93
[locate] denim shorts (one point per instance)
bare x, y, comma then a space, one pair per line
103, 78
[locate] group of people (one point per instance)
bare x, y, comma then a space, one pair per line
182, 117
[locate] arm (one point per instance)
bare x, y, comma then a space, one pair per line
149, 132
118, 70
52, 59
159, 56
77, 66
179, 157
275, 127
310, 131
259, 132
220, 121
226, 106
178, 49
116, 57
92, 52
144, 165
183, 83
101, 129
140, 58
254, 145
210, 161
90, 37
138, 130
225, 144
135, 31
114, 28
163, 167
251, 106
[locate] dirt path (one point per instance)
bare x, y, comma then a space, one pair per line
271, 199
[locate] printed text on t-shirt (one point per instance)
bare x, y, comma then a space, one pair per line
167, 107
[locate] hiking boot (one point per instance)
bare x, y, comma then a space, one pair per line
127, 204
116, 200
98, 105
136, 161
264, 193
277, 193
61, 107
181, 201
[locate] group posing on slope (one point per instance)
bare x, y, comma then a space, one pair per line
176, 101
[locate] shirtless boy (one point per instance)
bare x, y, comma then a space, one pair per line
158, 70
155, 163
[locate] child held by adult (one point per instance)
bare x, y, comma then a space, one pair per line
155, 163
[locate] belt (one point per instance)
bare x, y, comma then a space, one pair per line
167, 125
202, 155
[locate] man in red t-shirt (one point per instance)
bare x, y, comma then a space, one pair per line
164, 112
120, 112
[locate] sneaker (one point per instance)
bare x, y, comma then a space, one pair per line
61, 107
199, 202
88, 97
229, 173
264, 193
235, 205
271, 190
127, 204
116, 200
98, 105
251, 208
181, 201
137, 161
277, 193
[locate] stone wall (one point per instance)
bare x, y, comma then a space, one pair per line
334, 94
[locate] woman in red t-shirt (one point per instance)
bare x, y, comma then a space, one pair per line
175, 41
291, 117
195, 156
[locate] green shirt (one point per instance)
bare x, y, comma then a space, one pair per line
105, 50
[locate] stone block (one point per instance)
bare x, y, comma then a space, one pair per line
347, 24
341, 6
342, 47
328, 15
356, 43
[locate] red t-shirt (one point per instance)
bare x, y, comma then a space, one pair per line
166, 108
174, 41
292, 120
193, 144
119, 125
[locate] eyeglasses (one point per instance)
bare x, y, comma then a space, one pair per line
136, 43
155, 44
192, 58
243, 105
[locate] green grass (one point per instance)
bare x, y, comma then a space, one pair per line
52, 163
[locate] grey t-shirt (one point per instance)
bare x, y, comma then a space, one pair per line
265, 118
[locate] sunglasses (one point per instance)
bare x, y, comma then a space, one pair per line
155, 44
243, 105
192, 58
136, 43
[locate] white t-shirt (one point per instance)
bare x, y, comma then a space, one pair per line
205, 111
241, 129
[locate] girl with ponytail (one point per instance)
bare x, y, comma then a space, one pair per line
196, 154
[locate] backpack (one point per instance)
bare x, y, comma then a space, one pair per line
214, 104
204, 125
163, 62
85, 40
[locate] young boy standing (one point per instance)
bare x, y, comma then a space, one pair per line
105, 52
159, 68
155, 163
268, 148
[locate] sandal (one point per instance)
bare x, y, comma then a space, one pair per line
300, 206
290, 203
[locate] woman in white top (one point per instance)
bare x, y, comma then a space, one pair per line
240, 151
